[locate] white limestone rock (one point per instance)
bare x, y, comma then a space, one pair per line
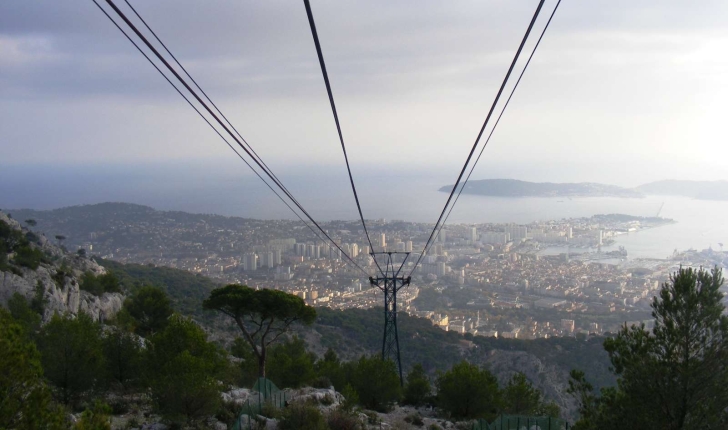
60, 299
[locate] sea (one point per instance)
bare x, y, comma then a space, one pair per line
395, 194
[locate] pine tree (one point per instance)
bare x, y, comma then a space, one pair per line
674, 377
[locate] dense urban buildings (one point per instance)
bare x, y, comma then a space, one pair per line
555, 278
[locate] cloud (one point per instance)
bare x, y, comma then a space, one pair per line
411, 82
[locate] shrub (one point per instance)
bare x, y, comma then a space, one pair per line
25, 400
150, 308
290, 365
467, 391
96, 418
302, 416
377, 383
372, 418
417, 389
61, 273
183, 369
72, 355
327, 400
342, 420
351, 399
321, 382
98, 285
414, 419
227, 412
133, 423
29, 257
269, 410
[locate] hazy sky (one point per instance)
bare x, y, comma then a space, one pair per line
620, 91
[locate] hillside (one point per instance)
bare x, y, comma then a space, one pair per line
546, 362
350, 333
702, 190
187, 290
36, 269
516, 188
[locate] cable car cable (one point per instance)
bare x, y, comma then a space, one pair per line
482, 129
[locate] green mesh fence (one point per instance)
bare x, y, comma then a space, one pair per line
265, 394
521, 422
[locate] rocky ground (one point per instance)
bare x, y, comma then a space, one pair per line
62, 293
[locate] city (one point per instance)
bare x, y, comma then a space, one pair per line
504, 280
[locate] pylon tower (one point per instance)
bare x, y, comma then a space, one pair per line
390, 282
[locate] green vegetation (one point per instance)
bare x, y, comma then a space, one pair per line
467, 391
98, 285
72, 356
25, 400
123, 356
302, 416
183, 370
290, 365
96, 418
23, 314
25, 254
673, 377
376, 383
262, 315
519, 397
185, 290
417, 390
149, 309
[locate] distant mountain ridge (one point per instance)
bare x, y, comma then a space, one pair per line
702, 190
516, 188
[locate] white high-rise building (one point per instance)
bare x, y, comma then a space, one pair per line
408, 246
517, 232
250, 262
313, 251
383, 240
495, 238
473, 234
266, 259
354, 250
440, 268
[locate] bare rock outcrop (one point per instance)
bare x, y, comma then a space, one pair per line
58, 281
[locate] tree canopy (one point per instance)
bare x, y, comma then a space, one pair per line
150, 308
376, 382
183, 371
25, 400
72, 355
262, 315
467, 391
675, 376
417, 389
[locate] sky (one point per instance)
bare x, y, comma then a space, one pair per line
620, 91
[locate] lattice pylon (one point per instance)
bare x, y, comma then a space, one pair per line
390, 283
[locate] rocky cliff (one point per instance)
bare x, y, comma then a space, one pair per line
58, 279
